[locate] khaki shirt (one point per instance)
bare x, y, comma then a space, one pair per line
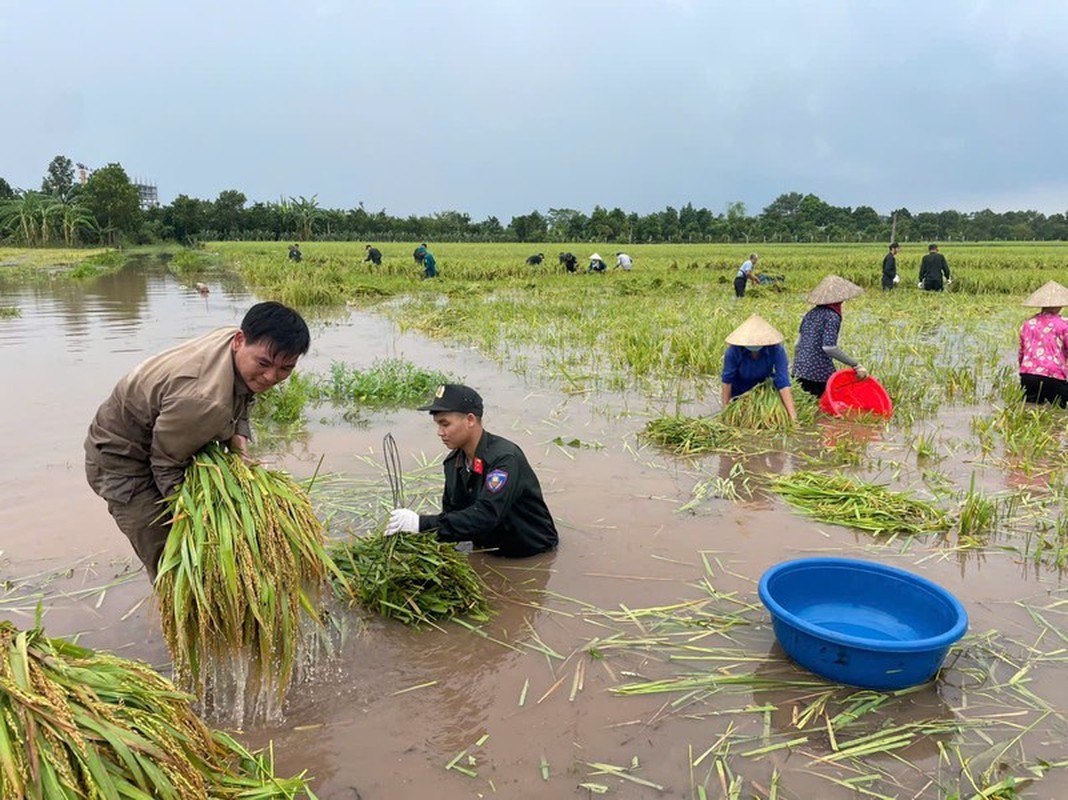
163, 412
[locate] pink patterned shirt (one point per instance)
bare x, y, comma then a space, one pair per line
1044, 346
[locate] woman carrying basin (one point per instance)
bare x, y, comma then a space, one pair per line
817, 343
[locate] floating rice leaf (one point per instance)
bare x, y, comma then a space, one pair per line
412, 578
243, 565
854, 503
77, 723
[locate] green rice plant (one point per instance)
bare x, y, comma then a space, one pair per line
389, 382
1049, 544
687, 436
925, 445
979, 515
761, 409
188, 262
10, 312
412, 578
243, 565
871, 507
283, 404
76, 723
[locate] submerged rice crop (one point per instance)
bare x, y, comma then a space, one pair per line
761, 409
76, 723
854, 503
243, 565
412, 578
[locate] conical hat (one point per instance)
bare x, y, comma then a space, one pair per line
754, 332
833, 289
1050, 295
595, 257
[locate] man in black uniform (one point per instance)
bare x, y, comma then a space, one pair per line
492, 496
570, 261
890, 267
932, 267
374, 255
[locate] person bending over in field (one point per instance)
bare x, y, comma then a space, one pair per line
570, 261
423, 256
173, 404
817, 343
1043, 356
374, 255
492, 497
755, 354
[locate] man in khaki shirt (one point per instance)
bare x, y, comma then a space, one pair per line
173, 404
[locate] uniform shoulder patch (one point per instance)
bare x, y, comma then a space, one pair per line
496, 479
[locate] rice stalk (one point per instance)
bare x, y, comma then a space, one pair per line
77, 723
415, 578
871, 507
243, 565
761, 409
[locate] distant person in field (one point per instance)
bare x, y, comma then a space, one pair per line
294, 252
624, 262
596, 263
817, 342
1043, 356
745, 275
374, 255
755, 354
173, 404
492, 497
933, 268
890, 276
570, 261
423, 256
535, 259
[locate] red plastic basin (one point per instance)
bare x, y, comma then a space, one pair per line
845, 393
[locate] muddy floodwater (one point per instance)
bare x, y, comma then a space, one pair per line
528, 695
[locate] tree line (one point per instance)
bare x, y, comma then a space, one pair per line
106, 209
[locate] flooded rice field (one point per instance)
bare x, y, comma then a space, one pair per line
635, 662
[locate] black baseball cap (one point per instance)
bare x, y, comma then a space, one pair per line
455, 397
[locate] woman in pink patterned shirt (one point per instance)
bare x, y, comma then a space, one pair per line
1044, 347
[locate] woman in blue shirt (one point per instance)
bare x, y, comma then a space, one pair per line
817, 343
754, 354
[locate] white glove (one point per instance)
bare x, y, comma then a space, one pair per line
897, 279
861, 372
949, 280
402, 520
919, 285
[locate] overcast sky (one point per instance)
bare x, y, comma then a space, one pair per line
499, 107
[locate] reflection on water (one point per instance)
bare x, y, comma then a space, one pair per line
384, 718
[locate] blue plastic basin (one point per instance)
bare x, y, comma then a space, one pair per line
861, 623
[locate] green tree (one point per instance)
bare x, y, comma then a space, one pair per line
306, 212
186, 217
529, 227
227, 212
6, 192
113, 201
59, 181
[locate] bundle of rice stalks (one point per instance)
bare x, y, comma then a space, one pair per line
76, 724
687, 436
413, 578
857, 504
244, 562
761, 409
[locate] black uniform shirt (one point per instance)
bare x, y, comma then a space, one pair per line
932, 267
496, 502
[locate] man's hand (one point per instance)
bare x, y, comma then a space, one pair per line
897, 279
861, 372
402, 520
239, 444
919, 285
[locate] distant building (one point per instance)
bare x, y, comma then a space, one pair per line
149, 196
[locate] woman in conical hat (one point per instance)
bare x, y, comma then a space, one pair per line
755, 354
1044, 347
817, 343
